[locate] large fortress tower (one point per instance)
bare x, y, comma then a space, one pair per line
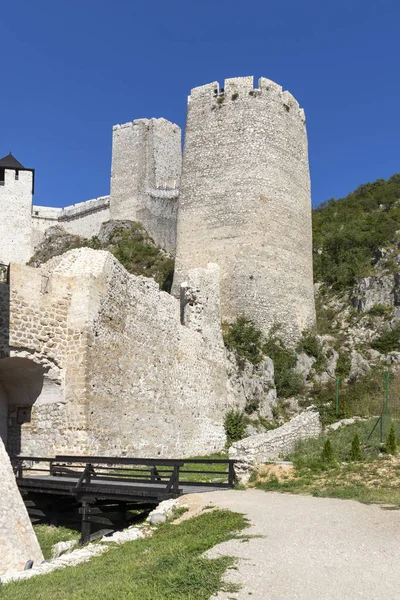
245, 202
16, 189
145, 177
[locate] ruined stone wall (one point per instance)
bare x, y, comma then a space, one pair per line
145, 177
157, 370
109, 364
84, 218
271, 445
245, 202
15, 216
18, 542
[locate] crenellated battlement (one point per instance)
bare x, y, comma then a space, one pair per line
73, 211
245, 202
239, 89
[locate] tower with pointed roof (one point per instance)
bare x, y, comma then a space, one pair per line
16, 190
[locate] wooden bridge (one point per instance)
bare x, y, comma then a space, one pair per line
103, 491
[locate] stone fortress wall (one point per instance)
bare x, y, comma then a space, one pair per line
145, 177
245, 202
84, 218
94, 360
106, 363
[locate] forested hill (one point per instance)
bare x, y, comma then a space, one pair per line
348, 233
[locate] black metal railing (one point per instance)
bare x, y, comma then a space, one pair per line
168, 473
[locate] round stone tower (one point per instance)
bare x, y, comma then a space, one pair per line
245, 202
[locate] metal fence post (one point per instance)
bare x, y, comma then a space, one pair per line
337, 395
387, 393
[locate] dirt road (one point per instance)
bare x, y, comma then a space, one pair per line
310, 549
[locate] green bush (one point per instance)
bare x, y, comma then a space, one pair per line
311, 345
348, 232
327, 454
355, 452
136, 251
380, 310
235, 426
343, 365
252, 406
388, 341
391, 442
243, 338
288, 382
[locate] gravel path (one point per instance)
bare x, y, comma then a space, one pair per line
311, 549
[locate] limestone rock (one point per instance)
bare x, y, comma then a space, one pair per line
248, 383
359, 366
373, 290
304, 364
157, 519
62, 548
127, 535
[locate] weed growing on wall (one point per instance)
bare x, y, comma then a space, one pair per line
243, 338
235, 426
288, 382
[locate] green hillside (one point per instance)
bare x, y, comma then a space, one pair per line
347, 233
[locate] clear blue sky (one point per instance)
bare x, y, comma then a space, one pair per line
73, 68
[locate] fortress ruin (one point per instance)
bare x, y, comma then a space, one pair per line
94, 360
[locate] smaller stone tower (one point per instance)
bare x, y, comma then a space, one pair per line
16, 190
145, 177
245, 202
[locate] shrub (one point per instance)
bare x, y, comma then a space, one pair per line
348, 232
288, 382
311, 345
355, 452
252, 406
243, 338
380, 310
388, 341
235, 426
328, 455
391, 442
343, 365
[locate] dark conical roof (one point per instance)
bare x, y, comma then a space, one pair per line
9, 162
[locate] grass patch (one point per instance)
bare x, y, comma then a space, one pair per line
167, 566
48, 536
208, 476
375, 478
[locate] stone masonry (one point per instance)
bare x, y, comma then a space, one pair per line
245, 202
145, 177
271, 445
103, 362
15, 216
18, 542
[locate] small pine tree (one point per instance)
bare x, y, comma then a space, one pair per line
391, 442
328, 455
355, 452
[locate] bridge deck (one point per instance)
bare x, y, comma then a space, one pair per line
99, 486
